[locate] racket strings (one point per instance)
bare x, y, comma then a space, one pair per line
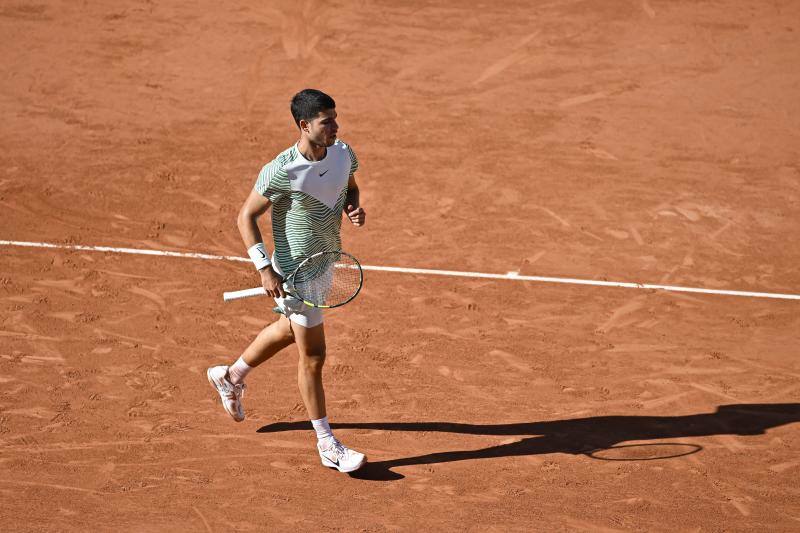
328, 279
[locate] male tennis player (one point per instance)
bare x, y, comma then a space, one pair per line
308, 186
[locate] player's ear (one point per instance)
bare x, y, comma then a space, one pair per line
304, 126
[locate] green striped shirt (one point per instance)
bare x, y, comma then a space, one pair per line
308, 198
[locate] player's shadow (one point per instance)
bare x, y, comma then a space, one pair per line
574, 436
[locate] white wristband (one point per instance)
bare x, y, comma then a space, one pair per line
259, 255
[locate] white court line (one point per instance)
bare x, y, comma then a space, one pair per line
422, 271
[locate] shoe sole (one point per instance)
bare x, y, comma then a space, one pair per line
214, 386
331, 464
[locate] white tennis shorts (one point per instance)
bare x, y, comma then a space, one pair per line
294, 309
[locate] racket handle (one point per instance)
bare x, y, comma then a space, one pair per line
246, 293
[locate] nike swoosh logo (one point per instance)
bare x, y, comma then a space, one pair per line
336, 461
323, 173
263, 255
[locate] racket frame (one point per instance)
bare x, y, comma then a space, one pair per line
257, 291
291, 290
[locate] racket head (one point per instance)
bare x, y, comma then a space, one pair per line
327, 279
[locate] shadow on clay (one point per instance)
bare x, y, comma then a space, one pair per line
578, 436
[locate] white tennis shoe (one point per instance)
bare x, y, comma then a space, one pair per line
336, 455
230, 394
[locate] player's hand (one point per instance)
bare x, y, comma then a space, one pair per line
272, 282
356, 215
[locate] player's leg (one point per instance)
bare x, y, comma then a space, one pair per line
311, 348
269, 341
229, 380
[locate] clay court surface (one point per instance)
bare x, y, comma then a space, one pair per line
622, 140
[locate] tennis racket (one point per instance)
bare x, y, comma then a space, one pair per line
324, 280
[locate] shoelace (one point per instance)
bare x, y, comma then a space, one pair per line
337, 448
236, 392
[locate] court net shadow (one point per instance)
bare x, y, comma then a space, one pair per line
584, 436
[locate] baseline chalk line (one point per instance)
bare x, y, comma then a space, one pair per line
420, 271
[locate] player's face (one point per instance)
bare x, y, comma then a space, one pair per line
322, 130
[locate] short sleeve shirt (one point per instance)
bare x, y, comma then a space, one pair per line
307, 198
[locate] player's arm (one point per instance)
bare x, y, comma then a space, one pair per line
247, 221
354, 211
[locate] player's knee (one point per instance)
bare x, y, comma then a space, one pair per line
313, 362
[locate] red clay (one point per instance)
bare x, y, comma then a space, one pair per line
624, 140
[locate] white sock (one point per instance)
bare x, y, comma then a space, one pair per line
322, 428
238, 371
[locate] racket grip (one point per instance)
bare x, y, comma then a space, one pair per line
245, 293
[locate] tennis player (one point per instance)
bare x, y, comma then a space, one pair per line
309, 185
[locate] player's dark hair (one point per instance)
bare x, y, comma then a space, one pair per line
307, 104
